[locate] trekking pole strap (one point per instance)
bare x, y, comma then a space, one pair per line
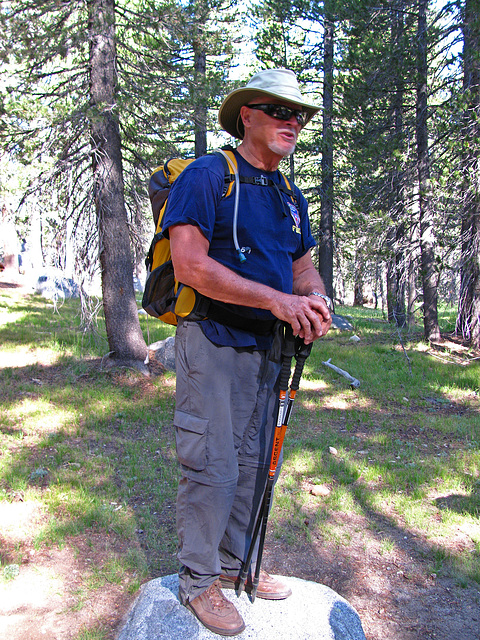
288, 351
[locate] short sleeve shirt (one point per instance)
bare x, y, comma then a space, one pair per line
272, 232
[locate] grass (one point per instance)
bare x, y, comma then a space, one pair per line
93, 450
92, 634
408, 443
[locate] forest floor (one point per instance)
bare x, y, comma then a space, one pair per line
395, 589
396, 596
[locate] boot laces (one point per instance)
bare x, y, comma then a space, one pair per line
216, 597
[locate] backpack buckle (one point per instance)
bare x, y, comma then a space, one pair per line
261, 181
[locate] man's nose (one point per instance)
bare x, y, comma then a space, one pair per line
293, 120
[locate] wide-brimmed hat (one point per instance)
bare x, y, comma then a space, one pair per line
277, 83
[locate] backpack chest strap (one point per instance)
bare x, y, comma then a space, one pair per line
263, 181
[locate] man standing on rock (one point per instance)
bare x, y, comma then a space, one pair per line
259, 265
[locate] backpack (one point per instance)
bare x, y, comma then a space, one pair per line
166, 298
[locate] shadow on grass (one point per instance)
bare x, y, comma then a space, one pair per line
461, 504
106, 441
383, 475
97, 449
112, 444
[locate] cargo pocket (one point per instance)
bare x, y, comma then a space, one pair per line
191, 440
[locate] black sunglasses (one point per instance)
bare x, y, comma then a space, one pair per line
280, 112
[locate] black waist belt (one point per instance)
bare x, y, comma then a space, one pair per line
222, 315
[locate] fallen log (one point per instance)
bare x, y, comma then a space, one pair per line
353, 381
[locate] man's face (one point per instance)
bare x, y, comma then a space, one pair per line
265, 131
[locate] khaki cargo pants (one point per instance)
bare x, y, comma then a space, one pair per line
226, 403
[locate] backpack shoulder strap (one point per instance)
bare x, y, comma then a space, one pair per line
231, 168
230, 179
288, 188
263, 181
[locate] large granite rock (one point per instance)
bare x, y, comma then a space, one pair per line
312, 612
163, 353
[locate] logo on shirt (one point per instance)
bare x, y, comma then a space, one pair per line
296, 217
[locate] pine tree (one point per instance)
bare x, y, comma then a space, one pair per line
124, 335
427, 237
115, 87
326, 240
201, 52
375, 99
468, 322
66, 64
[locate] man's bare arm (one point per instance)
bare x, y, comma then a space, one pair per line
194, 267
307, 279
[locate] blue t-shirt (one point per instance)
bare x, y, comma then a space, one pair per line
272, 232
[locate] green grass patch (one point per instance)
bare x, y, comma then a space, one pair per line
95, 633
406, 443
96, 449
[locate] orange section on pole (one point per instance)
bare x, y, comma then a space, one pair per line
277, 447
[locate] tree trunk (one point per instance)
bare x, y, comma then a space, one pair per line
200, 117
468, 320
358, 294
396, 266
124, 335
325, 249
411, 291
391, 277
427, 238
396, 277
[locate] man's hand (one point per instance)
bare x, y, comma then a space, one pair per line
312, 317
309, 316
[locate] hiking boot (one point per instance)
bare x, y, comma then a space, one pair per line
216, 612
268, 588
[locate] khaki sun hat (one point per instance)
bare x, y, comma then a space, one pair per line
277, 83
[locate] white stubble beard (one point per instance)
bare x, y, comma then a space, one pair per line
280, 149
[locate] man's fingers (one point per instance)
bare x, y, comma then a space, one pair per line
309, 319
311, 325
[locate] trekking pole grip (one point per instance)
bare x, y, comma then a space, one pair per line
302, 352
285, 373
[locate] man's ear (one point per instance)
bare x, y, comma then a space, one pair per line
245, 115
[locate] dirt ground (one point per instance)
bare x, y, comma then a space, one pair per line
396, 593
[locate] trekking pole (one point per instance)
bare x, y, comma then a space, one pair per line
302, 352
293, 347
288, 351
